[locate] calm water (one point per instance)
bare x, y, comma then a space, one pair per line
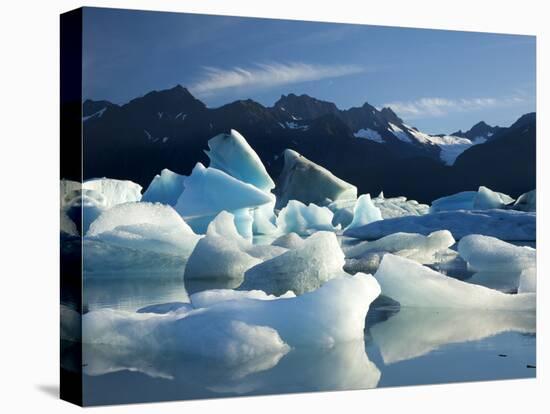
401, 347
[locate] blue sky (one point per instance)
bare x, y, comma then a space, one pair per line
438, 81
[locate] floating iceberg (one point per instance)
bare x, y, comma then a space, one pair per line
414, 285
244, 329
302, 270
504, 281
502, 224
224, 254
303, 220
165, 188
484, 253
288, 241
145, 226
526, 202
113, 191
364, 212
423, 249
487, 199
528, 281
415, 332
232, 154
482, 199
208, 191
211, 297
305, 181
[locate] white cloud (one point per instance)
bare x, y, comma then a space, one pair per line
434, 107
264, 75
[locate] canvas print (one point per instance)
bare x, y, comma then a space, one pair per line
259, 206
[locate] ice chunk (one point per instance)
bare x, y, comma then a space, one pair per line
489, 254
500, 280
232, 154
113, 191
67, 191
145, 226
83, 207
289, 241
482, 199
418, 247
364, 212
526, 202
299, 218
264, 219
487, 199
305, 181
415, 332
459, 201
222, 253
414, 285
208, 191
302, 270
502, 224
244, 330
528, 281
165, 188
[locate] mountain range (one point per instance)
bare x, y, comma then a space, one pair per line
369, 147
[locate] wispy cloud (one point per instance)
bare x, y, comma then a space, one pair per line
436, 107
267, 75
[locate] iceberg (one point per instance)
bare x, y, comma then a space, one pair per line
488, 254
364, 212
289, 241
301, 219
302, 270
528, 281
210, 297
502, 224
483, 199
145, 226
83, 207
165, 188
208, 191
224, 254
305, 181
526, 202
423, 249
232, 154
113, 191
414, 285
415, 332
487, 199
243, 329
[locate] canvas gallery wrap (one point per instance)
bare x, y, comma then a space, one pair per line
259, 206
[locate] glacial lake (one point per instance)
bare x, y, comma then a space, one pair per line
401, 347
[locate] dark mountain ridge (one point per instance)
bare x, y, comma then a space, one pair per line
170, 129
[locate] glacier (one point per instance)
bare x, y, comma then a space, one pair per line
307, 182
414, 285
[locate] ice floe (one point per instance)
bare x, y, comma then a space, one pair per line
526, 202
305, 181
483, 199
414, 285
502, 224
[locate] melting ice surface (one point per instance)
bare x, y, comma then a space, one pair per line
202, 288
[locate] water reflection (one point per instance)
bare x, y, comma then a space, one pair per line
345, 366
411, 333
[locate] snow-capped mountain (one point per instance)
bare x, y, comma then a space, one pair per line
170, 129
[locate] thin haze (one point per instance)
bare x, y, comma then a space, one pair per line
439, 81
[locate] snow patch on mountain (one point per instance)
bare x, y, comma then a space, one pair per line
369, 134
